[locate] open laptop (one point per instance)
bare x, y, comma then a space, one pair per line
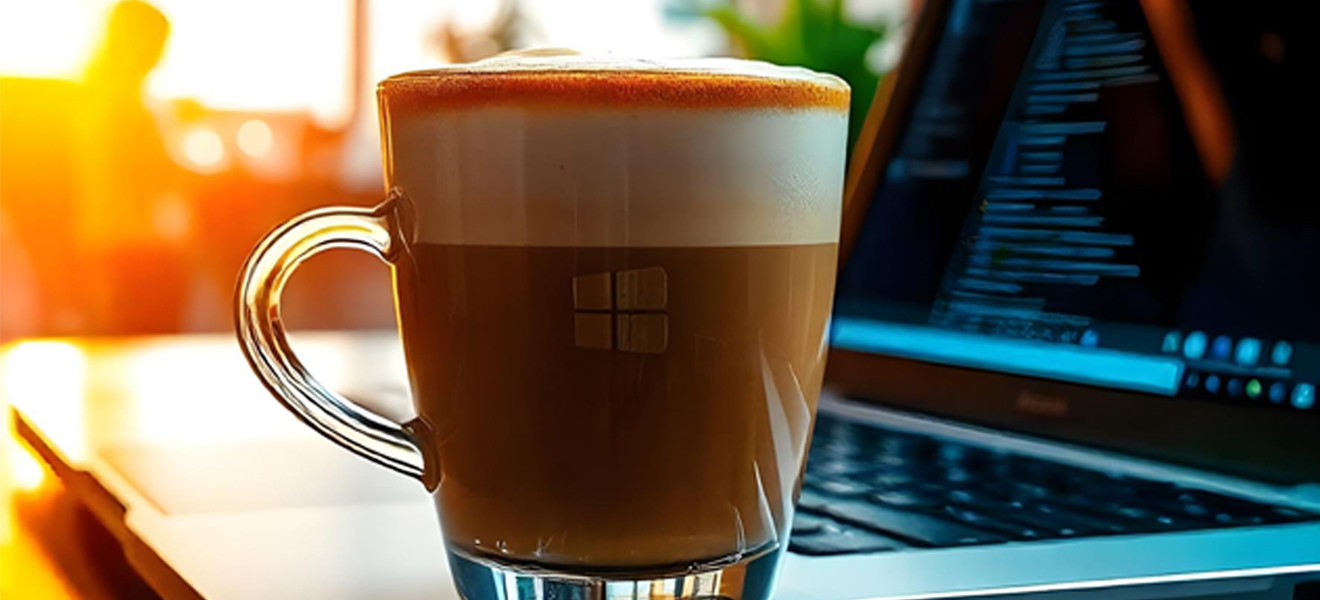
1078, 327
1069, 360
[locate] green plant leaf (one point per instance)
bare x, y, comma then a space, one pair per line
814, 34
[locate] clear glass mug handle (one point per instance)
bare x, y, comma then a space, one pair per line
261, 331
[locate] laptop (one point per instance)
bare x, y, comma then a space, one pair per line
1074, 352
1078, 326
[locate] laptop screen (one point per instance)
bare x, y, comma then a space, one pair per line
1113, 193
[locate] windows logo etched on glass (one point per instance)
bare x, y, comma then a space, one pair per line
622, 311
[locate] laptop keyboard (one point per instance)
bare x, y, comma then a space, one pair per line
872, 489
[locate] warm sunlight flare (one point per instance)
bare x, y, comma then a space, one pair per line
230, 404
288, 55
294, 56
25, 473
47, 380
49, 38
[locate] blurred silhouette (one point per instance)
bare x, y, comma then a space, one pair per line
131, 219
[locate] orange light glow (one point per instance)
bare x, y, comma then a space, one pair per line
46, 380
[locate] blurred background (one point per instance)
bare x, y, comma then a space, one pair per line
146, 146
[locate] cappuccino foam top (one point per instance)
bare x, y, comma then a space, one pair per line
565, 150
563, 77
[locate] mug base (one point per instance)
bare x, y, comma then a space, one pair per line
750, 578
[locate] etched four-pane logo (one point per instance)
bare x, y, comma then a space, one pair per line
622, 311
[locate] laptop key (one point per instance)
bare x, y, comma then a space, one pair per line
1066, 522
962, 455
959, 476
805, 524
1145, 520
843, 489
838, 467
814, 501
972, 496
1045, 525
1027, 522
885, 480
1029, 491
918, 527
910, 497
1226, 510
844, 541
1230, 520
834, 448
979, 520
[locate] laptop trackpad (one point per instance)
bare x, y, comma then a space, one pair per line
257, 475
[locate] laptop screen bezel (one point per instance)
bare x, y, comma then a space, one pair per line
1251, 442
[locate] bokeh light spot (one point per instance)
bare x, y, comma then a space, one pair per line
255, 138
203, 148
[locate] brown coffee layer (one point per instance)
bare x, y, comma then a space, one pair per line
615, 407
452, 88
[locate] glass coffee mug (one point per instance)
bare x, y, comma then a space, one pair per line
613, 282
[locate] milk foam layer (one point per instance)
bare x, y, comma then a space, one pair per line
558, 60
563, 78
523, 173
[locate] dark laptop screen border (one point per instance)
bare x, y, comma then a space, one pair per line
1215, 437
